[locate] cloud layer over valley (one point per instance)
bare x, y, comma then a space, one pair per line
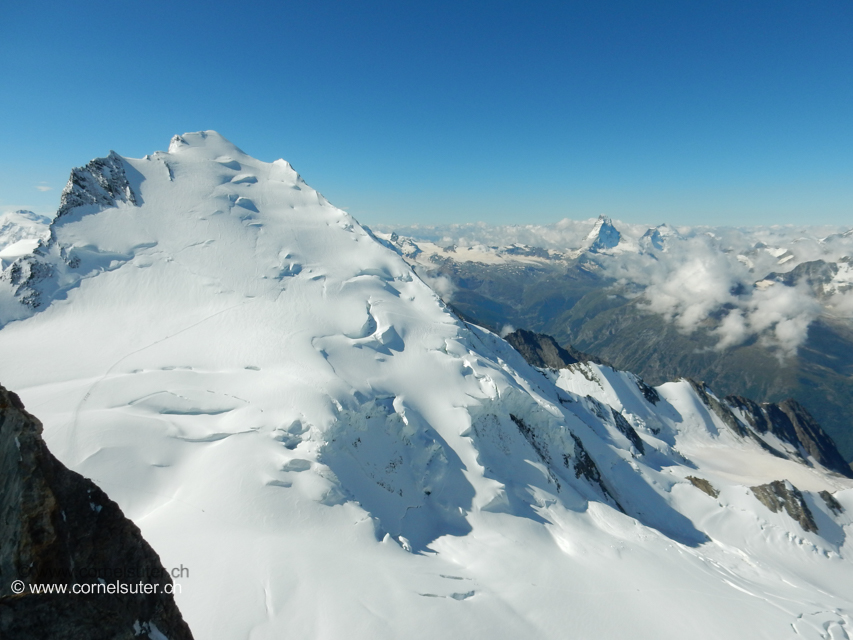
740, 284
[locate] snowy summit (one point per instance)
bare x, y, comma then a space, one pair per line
284, 407
603, 235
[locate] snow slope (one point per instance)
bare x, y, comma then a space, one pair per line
20, 232
287, 410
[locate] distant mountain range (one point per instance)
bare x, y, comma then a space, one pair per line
770, 321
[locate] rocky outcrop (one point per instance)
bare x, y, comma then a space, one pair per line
703, 485
815, 274
790, 422
780, 495
585, 466
791, 417
24, 274
627, 430
541, 350
831, 502
102, 183
787, 420
35, 277
724, 413
58, 530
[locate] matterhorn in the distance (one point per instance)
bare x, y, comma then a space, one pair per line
281, 404
602, 236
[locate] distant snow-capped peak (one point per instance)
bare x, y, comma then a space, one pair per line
658, 237
603, 235
20, 233
21, 225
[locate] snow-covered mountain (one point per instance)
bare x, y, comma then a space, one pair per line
657, 238
20, 232
285, 408
603, 236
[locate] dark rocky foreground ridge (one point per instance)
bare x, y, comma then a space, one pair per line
59, 528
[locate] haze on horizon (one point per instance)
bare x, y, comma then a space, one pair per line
730, 114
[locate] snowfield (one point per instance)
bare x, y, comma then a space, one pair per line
283, 407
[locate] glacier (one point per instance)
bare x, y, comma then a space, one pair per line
282, 405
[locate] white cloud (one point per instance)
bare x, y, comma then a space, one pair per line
441, 284
42, 187
841, 305
506, 330
780, 315
733, 330
685, 284
697, 281
705, 278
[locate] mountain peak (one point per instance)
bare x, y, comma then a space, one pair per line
657, 237
603, 235
210, 141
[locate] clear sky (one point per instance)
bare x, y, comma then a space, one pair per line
690, 112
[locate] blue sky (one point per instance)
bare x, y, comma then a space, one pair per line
689, 112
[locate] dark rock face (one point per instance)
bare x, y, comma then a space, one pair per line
541, 350
627, 430
24, 274
808, 434
832, 503
585, 466
102, 182
780, 495
725, 413
756, 418
58, 528
717, 407
789, 421
649, 393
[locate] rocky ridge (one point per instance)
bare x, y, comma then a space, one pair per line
541, 350
59, 528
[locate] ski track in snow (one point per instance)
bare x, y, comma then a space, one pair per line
108, 372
